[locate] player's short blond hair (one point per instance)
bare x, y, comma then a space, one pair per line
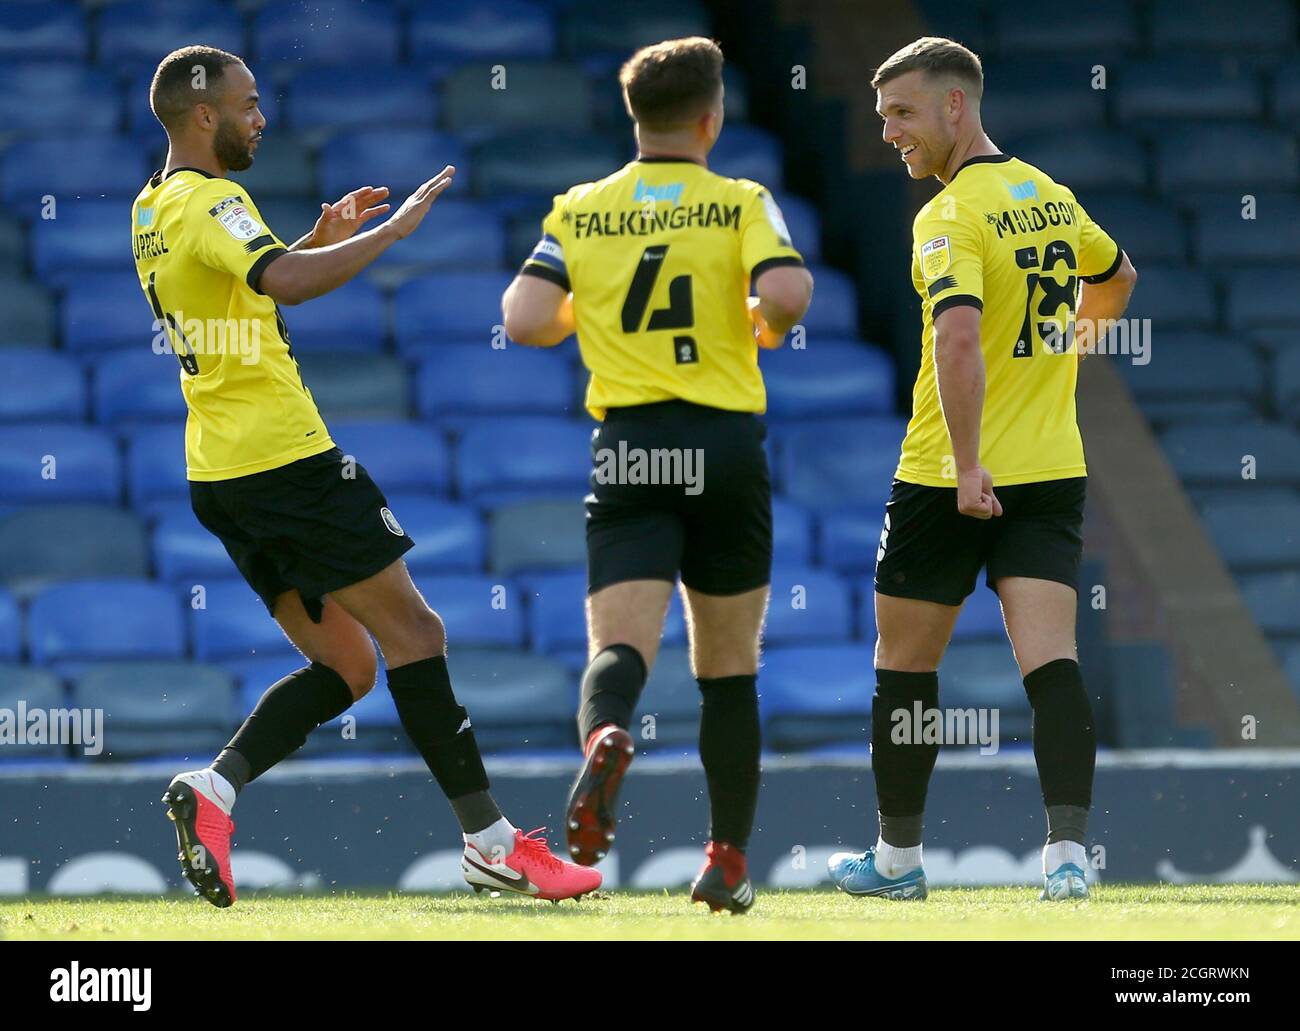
668, 85
937, 57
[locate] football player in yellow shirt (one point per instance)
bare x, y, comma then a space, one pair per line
308, 530
992, 473
652, 266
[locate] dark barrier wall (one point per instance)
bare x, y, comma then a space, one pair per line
1172, 816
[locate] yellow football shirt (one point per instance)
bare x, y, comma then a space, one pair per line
1003, 237
659, 257
200, 247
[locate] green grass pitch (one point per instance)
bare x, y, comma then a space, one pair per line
1114, 912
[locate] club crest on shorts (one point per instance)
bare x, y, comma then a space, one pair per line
391, 522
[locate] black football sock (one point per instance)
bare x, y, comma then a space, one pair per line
901, 770
233, 767
475, 812
281, 720
1065, 746
730, 742
440, 729
611, 687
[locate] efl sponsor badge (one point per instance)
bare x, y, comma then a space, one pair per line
936, 256
237, 221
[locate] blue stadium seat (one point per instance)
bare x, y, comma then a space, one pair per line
487, 30
1286, 93
400, 159
356, 386
334, 98
11, 627
458, 235
804, 222
40, 386
448, 305
135, 386
540, 163
1210, 155
1162, 412
745, 152
1263, 298
556, 604
1286, 382
828, 378
479, 610
335, 33
851, 537
1146, 229
1030, 94
518, 700
85, 236
1253, 533
808, 605
44, 31
37, 689
449, 538
174, 708
536, 95
592, 27
43, 464
1223, 238
815, 694
233, 624
477, 377
155, 464
57, 96
984, 675
140, 32
792, 532
104, 618
71, 167
1197, 365
186, 553
1216, 454
528, 453
1110, 26
672, 698
533, 535
833, 314
284, 167
41, 543
29, 315
352, 318
1174, 297
400, 456
981, 617
1222, 25
102, 312
1274, 600
1092, 159
1163, 89
840, 463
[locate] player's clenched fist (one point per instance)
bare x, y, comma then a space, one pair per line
417, 205
975, 495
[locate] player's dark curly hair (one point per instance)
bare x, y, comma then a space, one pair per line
936, 56
669, 84
177, 85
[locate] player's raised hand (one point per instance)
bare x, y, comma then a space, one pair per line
975, 497
417, 205
340, 220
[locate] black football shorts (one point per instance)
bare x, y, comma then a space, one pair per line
707, 519
315, 525
931, 552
